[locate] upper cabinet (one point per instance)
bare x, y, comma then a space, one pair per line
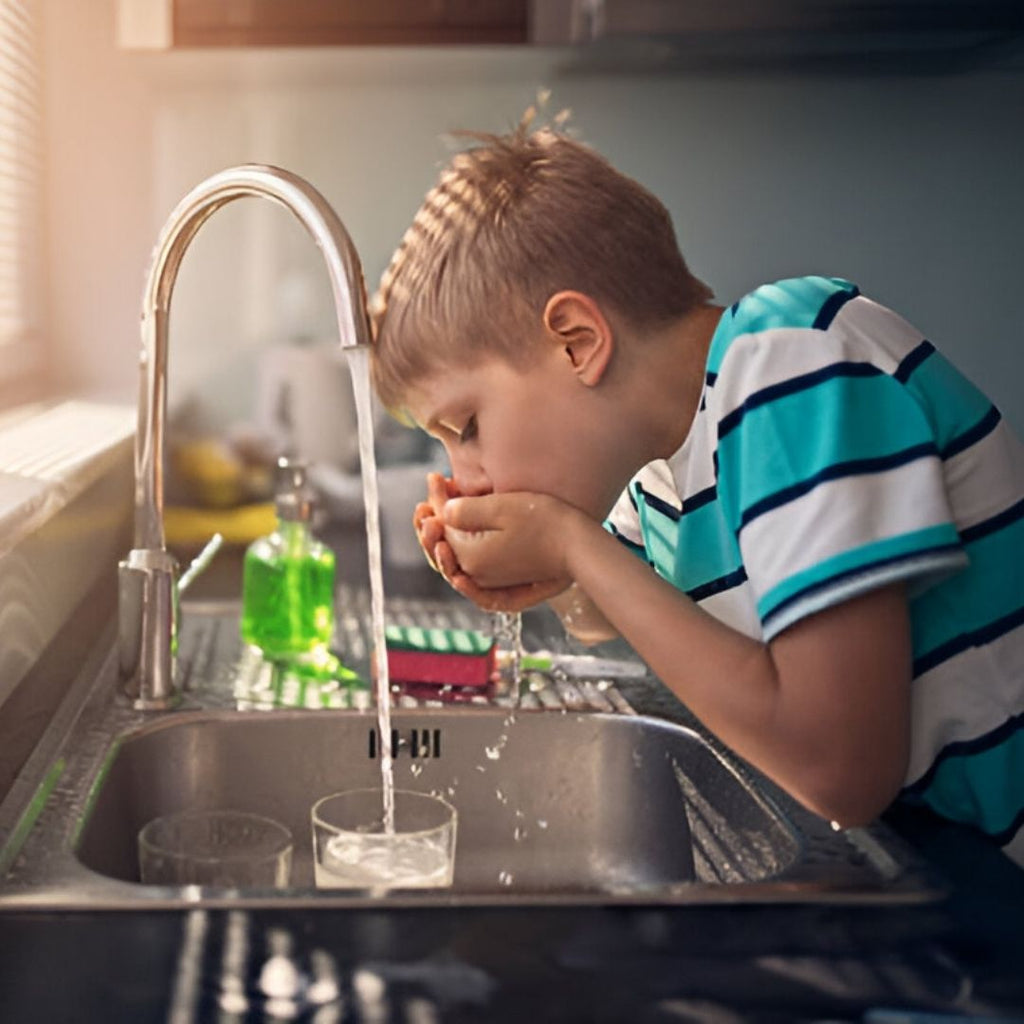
173, 24
900, 35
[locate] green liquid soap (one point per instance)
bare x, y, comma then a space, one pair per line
288, 581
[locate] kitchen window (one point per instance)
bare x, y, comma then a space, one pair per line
21, 201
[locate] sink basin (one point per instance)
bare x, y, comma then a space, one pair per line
547, 803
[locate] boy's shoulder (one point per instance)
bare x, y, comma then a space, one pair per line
797, 302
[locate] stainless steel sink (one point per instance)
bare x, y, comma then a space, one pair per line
547, 803
554, 806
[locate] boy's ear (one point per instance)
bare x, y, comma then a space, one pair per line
576, 323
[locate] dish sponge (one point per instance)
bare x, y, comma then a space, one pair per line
442, 657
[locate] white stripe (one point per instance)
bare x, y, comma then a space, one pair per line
841, 515
862, 331
984, 480
882, 335
931, 567
656, 479
736, 608
692, 466
965, 697
1014, 849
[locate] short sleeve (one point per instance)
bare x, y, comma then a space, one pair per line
828, 472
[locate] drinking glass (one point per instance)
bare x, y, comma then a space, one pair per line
227, 848
352, 849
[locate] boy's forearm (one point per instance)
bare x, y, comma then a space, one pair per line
581, 617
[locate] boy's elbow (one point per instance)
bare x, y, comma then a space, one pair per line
851, 798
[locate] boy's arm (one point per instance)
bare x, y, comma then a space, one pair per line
582, 618
823, 709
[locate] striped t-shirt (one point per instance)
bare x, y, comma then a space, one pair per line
834, 451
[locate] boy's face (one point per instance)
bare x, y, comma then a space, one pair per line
536, 429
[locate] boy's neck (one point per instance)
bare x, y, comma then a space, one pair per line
674, 371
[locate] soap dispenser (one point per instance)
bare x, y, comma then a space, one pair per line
288, 577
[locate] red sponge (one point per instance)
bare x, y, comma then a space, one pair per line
441, 657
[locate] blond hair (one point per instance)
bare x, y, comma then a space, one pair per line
513, 220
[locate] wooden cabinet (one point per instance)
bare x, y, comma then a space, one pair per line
166, 24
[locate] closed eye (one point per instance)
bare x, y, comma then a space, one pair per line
469, 431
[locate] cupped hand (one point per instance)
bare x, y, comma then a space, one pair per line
426, 517
511, 539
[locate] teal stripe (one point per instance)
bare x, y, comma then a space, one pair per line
951, 402
793, 438
991, 588
984, 789
707, 548
660, 534
792, 303
858, 559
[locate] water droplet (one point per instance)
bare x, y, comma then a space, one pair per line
493, 752
416, 770
542, 823
519, 833
505, 878
501, 796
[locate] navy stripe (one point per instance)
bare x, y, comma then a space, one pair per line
659, 504
814, 588
710, 377
981, 429
792, 386
973, 638
959, 748
831, 307
994, 524
852, 467
700, 499
1002, 838
730, 580
912, 361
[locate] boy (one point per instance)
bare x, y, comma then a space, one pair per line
795, 510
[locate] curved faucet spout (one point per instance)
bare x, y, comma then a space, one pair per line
148, 576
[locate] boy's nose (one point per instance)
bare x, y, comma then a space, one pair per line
470, 478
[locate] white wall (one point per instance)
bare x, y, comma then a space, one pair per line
910, 186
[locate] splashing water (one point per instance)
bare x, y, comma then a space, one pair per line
359, 366
508, 629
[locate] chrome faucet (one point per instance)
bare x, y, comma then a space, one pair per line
148, 577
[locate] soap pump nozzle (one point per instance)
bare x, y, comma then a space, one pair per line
294, 499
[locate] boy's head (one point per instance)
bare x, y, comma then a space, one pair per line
512, 221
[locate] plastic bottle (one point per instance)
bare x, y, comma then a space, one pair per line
288, 577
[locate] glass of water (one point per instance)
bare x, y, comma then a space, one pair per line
352, 849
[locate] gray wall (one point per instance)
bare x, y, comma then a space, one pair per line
909, 185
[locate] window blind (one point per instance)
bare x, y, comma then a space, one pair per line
20, 192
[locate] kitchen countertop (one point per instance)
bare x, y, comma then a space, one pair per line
960, 956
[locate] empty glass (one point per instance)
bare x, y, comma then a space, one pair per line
231, 849
352, 850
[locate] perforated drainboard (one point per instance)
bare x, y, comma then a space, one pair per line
211, 651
